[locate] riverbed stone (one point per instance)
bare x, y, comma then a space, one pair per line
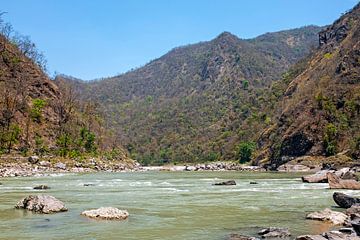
106, 213
293, 168
344, 200
41, 187
274, 232
226, 183
311, 237
337, 183
33, 159
318, 177
236, 236
337, 218
41, 204
60, 166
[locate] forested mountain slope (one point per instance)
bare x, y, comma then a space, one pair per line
320, 107
198, 102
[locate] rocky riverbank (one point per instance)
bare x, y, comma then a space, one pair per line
36, 166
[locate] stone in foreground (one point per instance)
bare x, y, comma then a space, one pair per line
235, 236
106, 213
42, 204
274, 232
345, 201
226, 183
311, 237
337, 218
336, 183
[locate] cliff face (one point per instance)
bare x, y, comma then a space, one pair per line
320, 110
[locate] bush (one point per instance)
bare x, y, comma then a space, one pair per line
330, 135
35, 112
245, 151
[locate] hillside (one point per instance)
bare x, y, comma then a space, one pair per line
198, 102
320, 107
43, 117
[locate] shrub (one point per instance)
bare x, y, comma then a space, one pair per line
330, 135
245, 151
35, 112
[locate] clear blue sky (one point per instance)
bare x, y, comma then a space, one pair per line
97, 38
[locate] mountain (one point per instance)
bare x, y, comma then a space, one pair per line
319, 111
40, 116
198, 102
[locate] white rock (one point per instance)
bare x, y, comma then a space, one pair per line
107, 213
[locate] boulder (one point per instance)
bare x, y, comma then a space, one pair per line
41, 204
337, 218
336, 183
45, 163
240, 237
311, 237
106, 213
345, 201
61, 166
33, 159
41, 187
356, 226
319, 177
336, 235
350, 175
274, 232
190, 168
226, 183
293, 168
353, 211
89, 184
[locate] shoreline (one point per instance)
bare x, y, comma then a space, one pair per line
26, 168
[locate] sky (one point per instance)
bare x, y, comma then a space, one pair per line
91, 39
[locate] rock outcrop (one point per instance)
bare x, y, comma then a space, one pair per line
41, 204
337, 183
106, 213
337, 218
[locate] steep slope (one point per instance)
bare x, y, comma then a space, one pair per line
23, 84
40, 116
192, 103
320, 110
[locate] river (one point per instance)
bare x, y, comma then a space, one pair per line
165, 205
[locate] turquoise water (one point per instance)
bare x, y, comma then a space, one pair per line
165, 205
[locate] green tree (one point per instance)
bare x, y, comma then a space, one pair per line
245, 151
330, 136
37, 106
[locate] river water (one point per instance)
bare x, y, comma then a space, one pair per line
165, 205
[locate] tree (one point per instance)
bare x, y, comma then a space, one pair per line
245, 151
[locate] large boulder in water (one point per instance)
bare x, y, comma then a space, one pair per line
337, 218
345, 201
319, 177
336, 183
274, 232
41, 204
106, 213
